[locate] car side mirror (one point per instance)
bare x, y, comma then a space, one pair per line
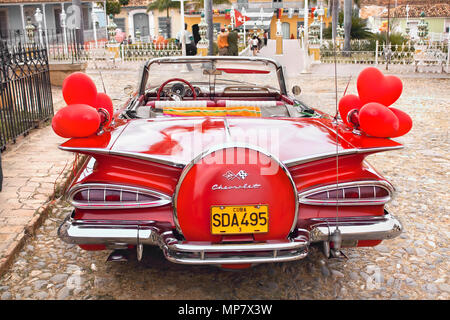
296, 90
128, 90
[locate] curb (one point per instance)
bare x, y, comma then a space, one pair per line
38, 219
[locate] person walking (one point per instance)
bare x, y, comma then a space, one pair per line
233, 42
191, 49
254, 46
222, 42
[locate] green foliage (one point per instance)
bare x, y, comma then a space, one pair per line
199, 4
112, 7
359, 28
394, 38
163, 5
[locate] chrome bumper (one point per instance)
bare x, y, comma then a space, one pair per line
119, 235
356, 228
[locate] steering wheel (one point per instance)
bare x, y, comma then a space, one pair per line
158, 94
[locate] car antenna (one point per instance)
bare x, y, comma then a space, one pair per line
101, 76
336, 236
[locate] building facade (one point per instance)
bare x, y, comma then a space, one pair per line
407, 13
262, 14
14, 15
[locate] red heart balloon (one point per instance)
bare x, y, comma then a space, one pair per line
374, 86
378, 121
76, 121
103, 101
78, 88
346, 104
404, 120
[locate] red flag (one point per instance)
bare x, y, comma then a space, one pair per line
240, 18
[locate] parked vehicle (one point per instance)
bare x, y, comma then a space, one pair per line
221, 166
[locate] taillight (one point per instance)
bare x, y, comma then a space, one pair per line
106, 196
349, 194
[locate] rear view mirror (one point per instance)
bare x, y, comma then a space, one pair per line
296, 90
128, 90
211, 72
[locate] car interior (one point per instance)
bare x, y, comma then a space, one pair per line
217, 89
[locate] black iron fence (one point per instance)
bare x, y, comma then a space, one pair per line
25, 90
61, 45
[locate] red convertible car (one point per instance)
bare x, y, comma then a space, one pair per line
214, 162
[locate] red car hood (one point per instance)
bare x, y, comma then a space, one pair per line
176, 141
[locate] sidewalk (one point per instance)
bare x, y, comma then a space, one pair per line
31, 167
34, 168
291, 59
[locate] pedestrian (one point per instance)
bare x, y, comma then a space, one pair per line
130, 40
222, 42
233, 42
265, 38
191, 49
259, 43
254, 46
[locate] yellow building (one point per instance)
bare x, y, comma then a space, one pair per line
263, 14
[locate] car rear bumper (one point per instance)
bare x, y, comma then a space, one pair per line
115, 234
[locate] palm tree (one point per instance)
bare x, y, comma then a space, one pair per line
163, 5
199, 4
335, 17
347, 23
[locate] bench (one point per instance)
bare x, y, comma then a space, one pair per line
102, 54
430, 57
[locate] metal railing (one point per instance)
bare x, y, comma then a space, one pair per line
371, 52
25, 90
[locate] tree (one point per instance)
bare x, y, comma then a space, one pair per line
114, 6
163, 5
334, 18
358, 30
200, 4
347, 23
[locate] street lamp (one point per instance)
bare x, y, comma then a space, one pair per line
321, 13
62, 18
182, 36
407, 30
305, 38
244, 12
94, 24
38, 17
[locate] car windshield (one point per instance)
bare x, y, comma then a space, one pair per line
215, 74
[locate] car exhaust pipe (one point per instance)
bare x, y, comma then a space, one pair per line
121, 255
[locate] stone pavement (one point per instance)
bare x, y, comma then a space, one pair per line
292, 58
33, 171
36, 171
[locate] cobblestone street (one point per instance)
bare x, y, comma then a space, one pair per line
413, 266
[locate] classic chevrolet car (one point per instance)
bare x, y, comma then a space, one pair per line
214, 162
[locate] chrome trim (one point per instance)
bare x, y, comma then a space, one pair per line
226, 146
348, 202
164, 199
135, 155
294, 162
199, 59
82, 232
357, 228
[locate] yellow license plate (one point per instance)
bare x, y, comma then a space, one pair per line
239, 219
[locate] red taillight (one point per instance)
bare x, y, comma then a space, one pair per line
99, 196
354, 193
